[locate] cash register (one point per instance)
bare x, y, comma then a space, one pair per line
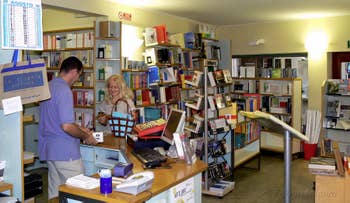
175, 123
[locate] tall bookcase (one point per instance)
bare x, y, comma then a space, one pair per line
107, 58
278, 96
335, 115
79, 42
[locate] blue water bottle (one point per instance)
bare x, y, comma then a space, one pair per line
105, 181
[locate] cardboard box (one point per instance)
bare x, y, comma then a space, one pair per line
108, 29
332, 189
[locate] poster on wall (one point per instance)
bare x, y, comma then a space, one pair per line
21, 22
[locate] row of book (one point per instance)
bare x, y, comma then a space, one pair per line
54, 59
68, 40
84, 119
83, 97
157, 95
217, 77
246, 133
252, 72
135, 79
337, 86
86, 79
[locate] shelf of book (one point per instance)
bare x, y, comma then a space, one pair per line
79, 42
336, 113
278, 96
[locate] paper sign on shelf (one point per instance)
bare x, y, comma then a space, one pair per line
12, 105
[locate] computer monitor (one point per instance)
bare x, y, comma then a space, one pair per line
175, 123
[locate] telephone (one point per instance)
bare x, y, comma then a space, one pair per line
136, 183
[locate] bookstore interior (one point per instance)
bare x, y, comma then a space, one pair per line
200, 110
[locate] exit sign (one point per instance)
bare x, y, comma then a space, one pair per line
124, 16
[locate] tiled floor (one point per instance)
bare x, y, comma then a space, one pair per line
267, 185
252, 186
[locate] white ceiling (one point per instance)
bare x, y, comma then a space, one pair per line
235, 12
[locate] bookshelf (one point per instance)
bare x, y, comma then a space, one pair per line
278, 96
107, 59
79, 42
217, 134
155, 81
335, 114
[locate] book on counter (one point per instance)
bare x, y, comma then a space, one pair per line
326, 163
151, 127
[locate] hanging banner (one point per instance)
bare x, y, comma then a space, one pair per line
21, 22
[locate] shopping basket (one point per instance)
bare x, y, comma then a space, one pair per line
121, 123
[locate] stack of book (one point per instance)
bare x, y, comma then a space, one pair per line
222, 187
322, 166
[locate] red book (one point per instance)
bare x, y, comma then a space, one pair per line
150, 128
161, 34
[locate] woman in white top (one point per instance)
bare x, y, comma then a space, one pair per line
116, 90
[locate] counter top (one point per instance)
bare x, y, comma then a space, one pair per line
165, 178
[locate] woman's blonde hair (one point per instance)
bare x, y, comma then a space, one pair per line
125, 91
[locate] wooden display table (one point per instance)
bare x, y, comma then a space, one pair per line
165, 178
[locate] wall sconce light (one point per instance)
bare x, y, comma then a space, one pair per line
257, 42
316, 43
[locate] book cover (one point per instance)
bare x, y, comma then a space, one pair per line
150, 36
153, 75
151, 127
196, 79
150, 56
211, 79
189, 40
211, 103
276, 73
229, 113
168, 74
333, 108
162, 36
195, 104
219, 76
219, 100
250, 71
177, 39
227, 76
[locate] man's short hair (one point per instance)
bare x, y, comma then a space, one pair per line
71, 63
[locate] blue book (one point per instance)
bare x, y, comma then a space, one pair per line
153, 75
190, 40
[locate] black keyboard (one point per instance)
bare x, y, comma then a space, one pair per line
149, 157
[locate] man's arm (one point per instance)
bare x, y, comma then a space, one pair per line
75, 131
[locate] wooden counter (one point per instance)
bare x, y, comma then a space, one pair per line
6, 187
165, 178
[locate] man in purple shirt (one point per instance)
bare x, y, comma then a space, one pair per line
59, 136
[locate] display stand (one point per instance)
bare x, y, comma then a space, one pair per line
276, 125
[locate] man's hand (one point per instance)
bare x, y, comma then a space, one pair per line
90, 140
